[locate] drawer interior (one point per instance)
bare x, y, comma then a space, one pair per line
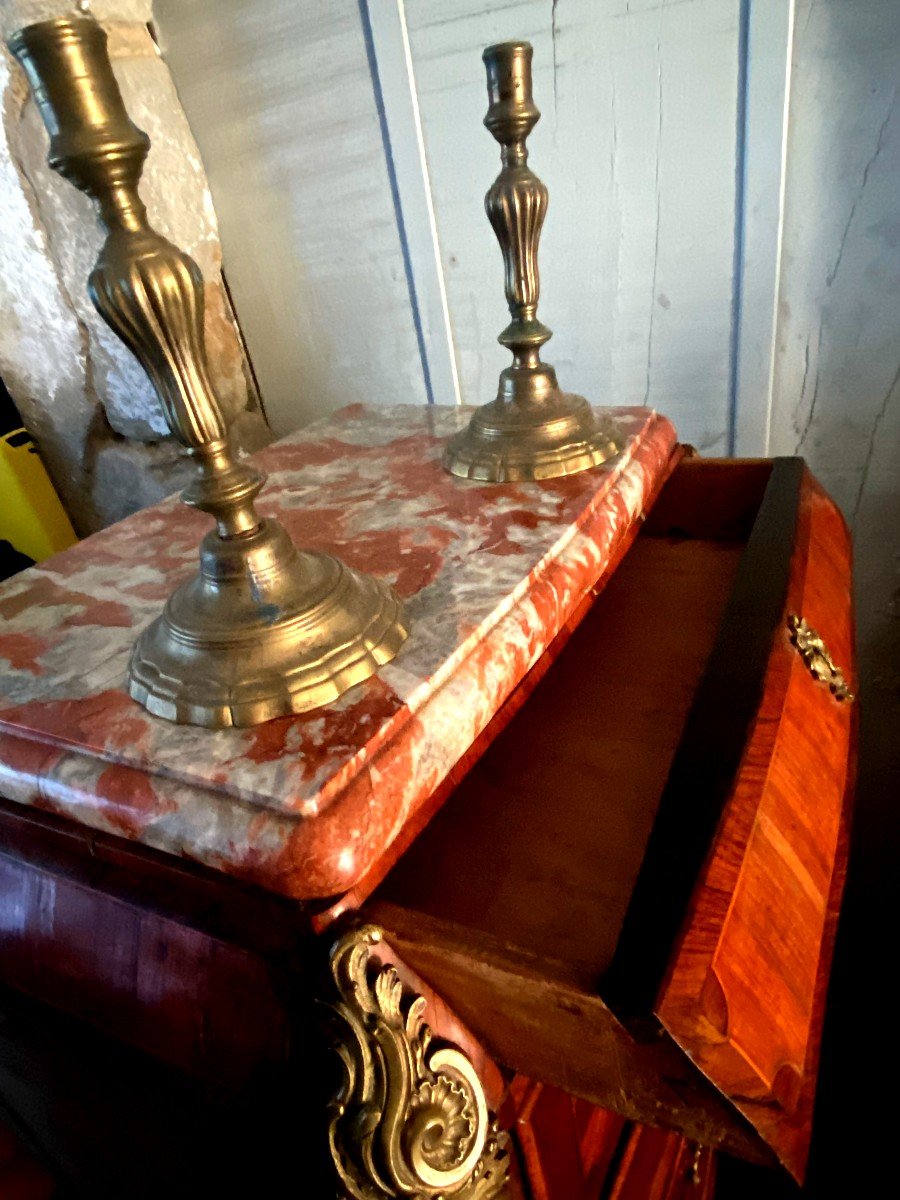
544, 900
633, 893
538, 849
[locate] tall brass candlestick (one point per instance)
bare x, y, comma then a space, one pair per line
262, 630
532, 430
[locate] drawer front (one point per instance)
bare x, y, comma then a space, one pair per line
572, 1150
658, 1164
744, 994
204, 1005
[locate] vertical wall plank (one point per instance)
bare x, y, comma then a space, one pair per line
638, 147
765, 127
409, 167
281, 101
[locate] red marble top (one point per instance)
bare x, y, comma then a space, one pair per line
305, 805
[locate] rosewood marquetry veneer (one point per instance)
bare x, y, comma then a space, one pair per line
596, 811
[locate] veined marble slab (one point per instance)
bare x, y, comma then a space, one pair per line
306, 805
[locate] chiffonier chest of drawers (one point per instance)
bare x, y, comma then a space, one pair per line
595, 815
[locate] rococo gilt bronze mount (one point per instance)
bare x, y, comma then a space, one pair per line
264, 629
409, 1117
532, 430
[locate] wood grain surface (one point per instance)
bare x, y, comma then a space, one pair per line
679, 713
744, 990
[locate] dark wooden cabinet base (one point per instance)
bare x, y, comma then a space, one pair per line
654, 823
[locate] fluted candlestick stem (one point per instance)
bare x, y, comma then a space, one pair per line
263, 630
532, 430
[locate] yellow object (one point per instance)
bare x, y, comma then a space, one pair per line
31, 516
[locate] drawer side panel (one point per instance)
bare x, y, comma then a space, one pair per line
743, 992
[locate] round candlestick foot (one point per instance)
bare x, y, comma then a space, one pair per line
263, 631
511, 443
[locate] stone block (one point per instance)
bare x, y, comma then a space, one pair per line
15, 14
177, 196
75, 384
128, 475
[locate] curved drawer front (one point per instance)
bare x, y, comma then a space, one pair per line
744, 994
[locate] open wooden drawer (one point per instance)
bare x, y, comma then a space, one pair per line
633, 893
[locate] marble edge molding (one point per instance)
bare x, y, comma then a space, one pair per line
456, 661
333, 787
316, 855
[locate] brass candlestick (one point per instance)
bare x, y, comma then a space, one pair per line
532, 430
263, 629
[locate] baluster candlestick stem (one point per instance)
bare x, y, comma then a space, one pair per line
263, 630
532, 430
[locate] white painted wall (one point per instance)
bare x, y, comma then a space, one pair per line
281, 100
723, 239
637, 147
